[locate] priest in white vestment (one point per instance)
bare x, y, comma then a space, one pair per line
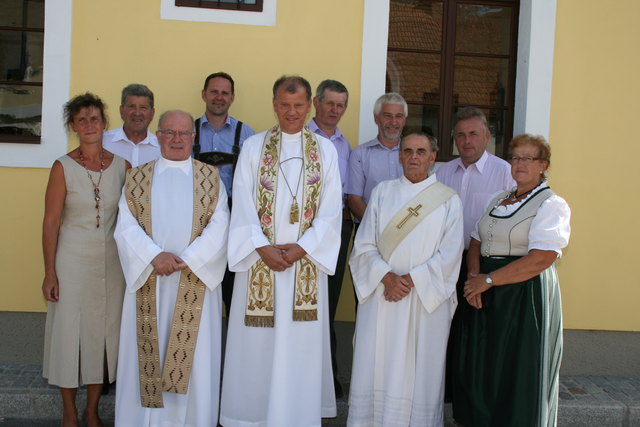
405, 263
284, 239
178, 187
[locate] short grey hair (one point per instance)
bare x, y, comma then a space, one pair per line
135, 89
433, 141
333, 85
466, 113
390, 98
291, 84
166, 113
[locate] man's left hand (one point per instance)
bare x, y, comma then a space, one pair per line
291, 252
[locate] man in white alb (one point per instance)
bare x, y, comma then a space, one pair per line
404, 263
133, 141
283, 242
172, 236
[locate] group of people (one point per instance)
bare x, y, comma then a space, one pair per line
145, 236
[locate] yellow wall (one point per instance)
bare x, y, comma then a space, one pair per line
118, 42
21, 210
594, 92
174, 57
595, 160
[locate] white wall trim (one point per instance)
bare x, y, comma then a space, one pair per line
55, 92
536, 35
534, 74
375, 34
168, 10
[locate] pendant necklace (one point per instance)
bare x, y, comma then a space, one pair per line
294, 211
515, 196
96, 185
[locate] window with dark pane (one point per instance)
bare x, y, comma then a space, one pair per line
21, 49
246, 5
447, 54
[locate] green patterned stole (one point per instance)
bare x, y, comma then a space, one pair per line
261, 287
174, 377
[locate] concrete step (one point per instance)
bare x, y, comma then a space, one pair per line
26, 399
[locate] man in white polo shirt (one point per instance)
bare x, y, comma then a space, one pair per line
133, 141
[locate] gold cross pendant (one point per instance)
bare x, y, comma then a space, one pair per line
294, 213
412, 212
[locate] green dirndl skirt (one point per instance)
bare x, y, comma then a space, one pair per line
506, 356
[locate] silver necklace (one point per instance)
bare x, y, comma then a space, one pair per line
294, 210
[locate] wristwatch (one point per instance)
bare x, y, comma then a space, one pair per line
488, 280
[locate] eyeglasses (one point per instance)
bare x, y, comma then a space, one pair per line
183, 134
526, 160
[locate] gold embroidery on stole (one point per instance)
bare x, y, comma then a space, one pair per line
260, 290
186, 317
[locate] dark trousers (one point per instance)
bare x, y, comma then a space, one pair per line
227, 280
459, 292
227, 288
335, 286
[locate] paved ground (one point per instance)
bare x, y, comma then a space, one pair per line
26, 400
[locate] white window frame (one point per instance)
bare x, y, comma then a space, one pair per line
55, 92
536, 36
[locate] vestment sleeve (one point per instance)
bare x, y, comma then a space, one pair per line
367, 265
245, 232
356, 181
550, 229
435, 279
207, 254
321, 241
135, 248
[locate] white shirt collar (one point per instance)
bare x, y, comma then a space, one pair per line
183, 165
426, 182
119, 135
313, 126
482, 161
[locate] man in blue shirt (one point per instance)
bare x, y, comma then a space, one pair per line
219, 138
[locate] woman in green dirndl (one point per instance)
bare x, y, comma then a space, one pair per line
507, 339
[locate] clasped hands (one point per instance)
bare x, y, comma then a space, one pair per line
166, 263
281, 257
473, 289
396, 287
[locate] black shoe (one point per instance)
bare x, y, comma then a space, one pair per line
105, 388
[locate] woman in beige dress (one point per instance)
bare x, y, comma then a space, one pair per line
83, 281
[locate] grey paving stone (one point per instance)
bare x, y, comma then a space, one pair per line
619, 396
579, 393
14, 404
566, 396
600, 381
602, 397
27, 400
579, 415
45, 404
634, 414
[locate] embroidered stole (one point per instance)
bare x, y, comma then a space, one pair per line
410, 215
261, 287
178, 362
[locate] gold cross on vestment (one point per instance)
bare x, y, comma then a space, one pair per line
412, 212
306, 278
261, 283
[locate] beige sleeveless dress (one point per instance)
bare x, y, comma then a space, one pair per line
84, 324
